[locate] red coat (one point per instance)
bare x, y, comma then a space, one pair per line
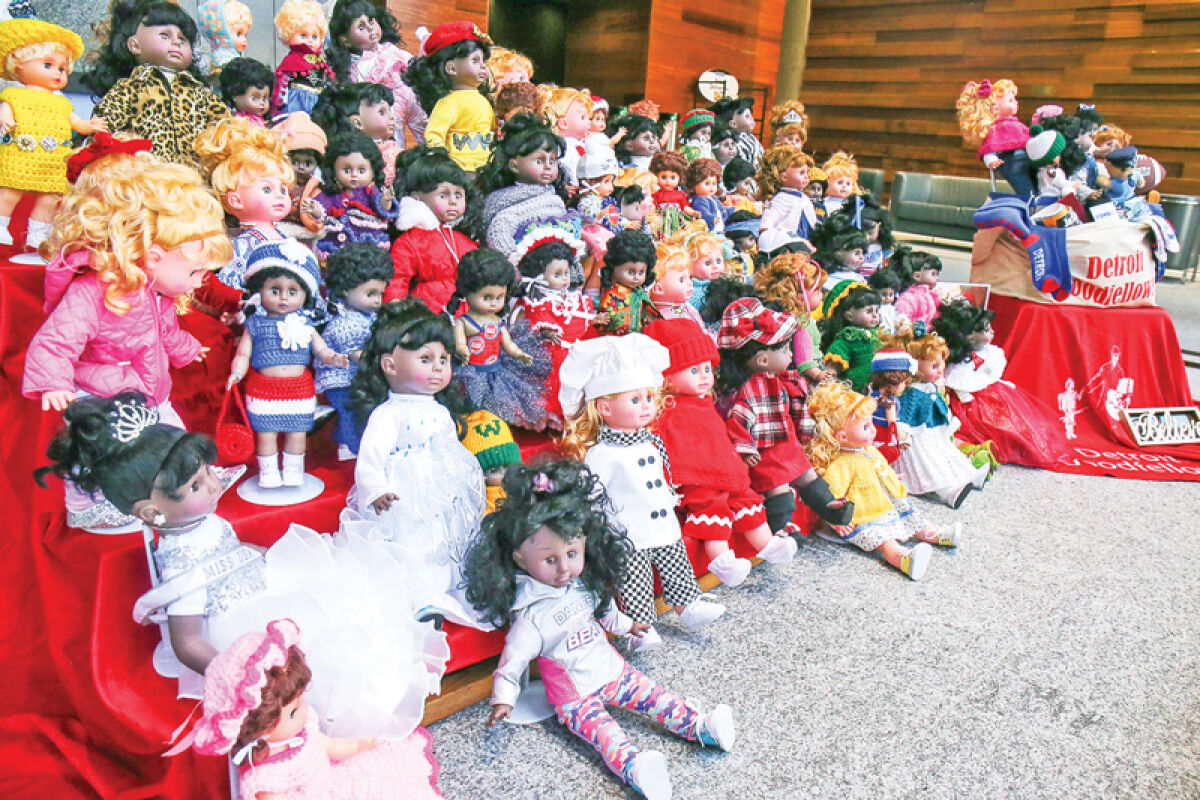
425, 257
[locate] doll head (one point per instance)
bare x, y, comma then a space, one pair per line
520, 97
281, 278
226, 25
818, 182
782, 166
509, 66
153, 32
635, 203
485, 280
849, 304
1109, 137
696, 126
640, 139
672, 275
703, 178
843, 421
374, 113
892, 370
305, 143
38, 54
736, 112
724, 142
555, 509
158, 473
931, 353
693, 356
429, 175
146, 223
840, 245
965, 328
752, 339
793, 280
597, 169
720, 294
248, 169
567, 111
706, 255
301, 23
630, 258
245, 86
916, 267
886, 284
865, 213
981, 104
357, 275
544, 256
254, 695
738, 177
334, 107
454, 56
527, 152
352, 161
742, 228
841, 174
356, 26
1087, 114
789, 124
599, 114
669, 167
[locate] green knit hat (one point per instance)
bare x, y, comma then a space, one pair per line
836, 295
490, 439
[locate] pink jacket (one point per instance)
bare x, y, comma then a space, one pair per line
84, 345
918, 302
1006, 133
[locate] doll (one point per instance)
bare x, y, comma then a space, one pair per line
933, 464
851, 336
1021, 428
433, 191
887, 285
672, 287
365, 47
35, 120
354, 205
522, 181
226, 26
789, 124
782, 178
695, 130
713, 482
703, 181
918, 273
724, 143
245, 86
413, 479
841, 175
374, 118
738, 114
609, 398
1124, 182
256, 712
508, 67
864, 212
568, 113
768, 410
794, 281
213, 588
356, 277
282, 281
599, 211
517, 98
1045, 151
741, 187
670, 167
639, 139
884, 517
818, 182
892, 370
545, 566
600, 122
305, 143
490, 440
303, 73
496, 373
631, 256
451, 79
146, 81
637, 207
841, 249
706, 254
987, 117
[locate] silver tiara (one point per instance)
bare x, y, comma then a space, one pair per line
792, 118
128, 420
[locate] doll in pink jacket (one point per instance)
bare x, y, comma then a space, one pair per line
918, 271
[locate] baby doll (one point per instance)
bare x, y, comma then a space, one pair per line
841, 174
672, 287
738, 179
413, 479
490, 440
433, 191
768, 410
639, 140
568, 112
365, 47
214, 589
496, 373
703, 181
451, 79
282, 281
695, 129
794, 281
724, 143
987, 117
738, 114
147, 84
545, 566
245, 86
841, 249
522, 182
303, 73
356, 277
305, 143
353, 205
508, 67
789, 124
706, 254
226, 26
884, 517
35, 120
782, 178
851, 337
256, 712
631, 256
892, 370
609, 398
918, 273
1021, 428
713, 482
887, 285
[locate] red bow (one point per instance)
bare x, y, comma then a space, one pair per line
103, 144
579, 149
976, 360
984, 89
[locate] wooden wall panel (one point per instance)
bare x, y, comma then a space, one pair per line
607, 45
882, 76
411, 14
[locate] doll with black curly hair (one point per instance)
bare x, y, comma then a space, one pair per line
354, 204
919, 272
841, 249
638, 143
865, 213
245, 86
546, 564
630, 259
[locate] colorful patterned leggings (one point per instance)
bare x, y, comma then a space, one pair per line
589, 719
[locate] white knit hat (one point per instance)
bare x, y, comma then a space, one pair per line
609, 365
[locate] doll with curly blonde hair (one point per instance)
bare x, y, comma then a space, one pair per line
782, 178
303, 73
789, 124
794, 281
568, 112
706, 259
841, 174
672, 286
987, 117
509, 66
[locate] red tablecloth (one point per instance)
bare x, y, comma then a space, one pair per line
1088, 364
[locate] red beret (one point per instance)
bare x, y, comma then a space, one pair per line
450, 33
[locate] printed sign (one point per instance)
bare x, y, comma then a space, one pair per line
1161, 426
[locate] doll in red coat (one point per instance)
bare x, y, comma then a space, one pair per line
711, 478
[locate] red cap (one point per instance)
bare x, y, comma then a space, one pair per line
687, 343
450, 33
103, 144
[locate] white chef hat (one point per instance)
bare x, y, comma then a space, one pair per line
609, 365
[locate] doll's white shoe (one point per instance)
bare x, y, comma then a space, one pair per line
345, 453
648, 642
293, 469
268, 472
981, 476
780, 550
700, 612
648, 774
729, 568
717, 728
951, 537
916, 561
954, 496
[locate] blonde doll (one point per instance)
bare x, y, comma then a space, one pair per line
672, 286
789, 124
303, 73
509, 66
226, 25
706, 255
568, 112
794, 281
987, 117
782, 178
841, 175
842, 451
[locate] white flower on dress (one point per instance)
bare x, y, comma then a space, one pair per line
294, 331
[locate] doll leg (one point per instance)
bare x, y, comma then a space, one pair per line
750, 521
923, 529
680, 589
589, 720
294, 446
638, 693
637, 588
708, 518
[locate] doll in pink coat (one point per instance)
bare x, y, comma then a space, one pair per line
987, 117
918, 271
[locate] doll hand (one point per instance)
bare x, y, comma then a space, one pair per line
98, 124
203, 354
388, 196
524, 358
638, 629
363, 745
964, 397
311, 207
227, 317
463, 353
691, 212
751, 459
552, 336
336, 359
602, 319
500, 711
234, 378
57, 400
383, 503
616, 137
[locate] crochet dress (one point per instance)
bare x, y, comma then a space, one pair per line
933, 462
851, 351
354, 216
919, 303
277, 404
569, 314
496, 381
507, 210
33, 154
882, 510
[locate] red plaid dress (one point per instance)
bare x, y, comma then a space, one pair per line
764, 418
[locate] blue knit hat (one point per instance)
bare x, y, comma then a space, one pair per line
893, 360
290, 255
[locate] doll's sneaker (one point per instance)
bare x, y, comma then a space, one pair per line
916, 561
780, 550
981, 476
717, 728
648, 642
951, 537
729, 568
954, 496
345, 453
648, 774
700, 612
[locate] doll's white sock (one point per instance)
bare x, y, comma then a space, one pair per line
293, 469
5, 236
268, 472
38, 231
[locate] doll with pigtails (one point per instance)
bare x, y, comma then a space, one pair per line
303, 73
987, 117
794, 281
789, 124
782, 178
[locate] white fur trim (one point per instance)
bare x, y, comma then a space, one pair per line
415, 214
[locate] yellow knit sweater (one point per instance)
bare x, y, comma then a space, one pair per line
865, 478
33, 155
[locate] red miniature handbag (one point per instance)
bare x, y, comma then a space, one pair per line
235, 440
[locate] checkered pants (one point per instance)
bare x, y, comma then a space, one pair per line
674, 570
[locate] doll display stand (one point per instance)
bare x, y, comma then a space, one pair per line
251, 492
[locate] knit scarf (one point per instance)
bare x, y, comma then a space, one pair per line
608, 435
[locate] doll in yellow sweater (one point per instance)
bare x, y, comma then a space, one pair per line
884, 517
